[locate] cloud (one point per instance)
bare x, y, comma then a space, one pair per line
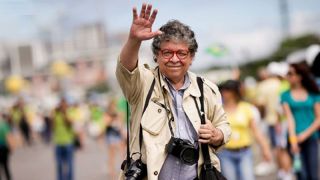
305, 22
258, 43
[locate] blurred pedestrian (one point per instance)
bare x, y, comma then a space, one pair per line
115, 137
20, 121
301, 104
63, 138
47, 129
267, 101
237, 156
96, 126
6, 145
278, 70
76, 116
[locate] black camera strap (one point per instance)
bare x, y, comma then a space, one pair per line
204, 147
128, 145
140, 130
146, 103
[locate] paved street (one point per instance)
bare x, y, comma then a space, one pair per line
37, 163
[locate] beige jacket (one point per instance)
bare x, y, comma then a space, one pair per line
268, 97
156, 134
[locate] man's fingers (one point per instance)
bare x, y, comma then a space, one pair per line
205, 136
148, 11
153, 34
153, 16
143, 10
204, 131
134, 12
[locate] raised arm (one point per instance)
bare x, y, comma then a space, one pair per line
141, 29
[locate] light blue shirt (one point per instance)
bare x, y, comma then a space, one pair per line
173, 168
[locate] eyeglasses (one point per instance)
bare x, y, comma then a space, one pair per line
168, 54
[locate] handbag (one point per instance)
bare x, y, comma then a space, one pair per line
208, 171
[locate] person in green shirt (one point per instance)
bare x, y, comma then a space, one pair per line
5, 143
63, 138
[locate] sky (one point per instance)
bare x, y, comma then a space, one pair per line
249, 29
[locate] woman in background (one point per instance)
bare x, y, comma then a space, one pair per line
301, 104
237, 157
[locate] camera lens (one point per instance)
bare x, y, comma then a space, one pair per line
189, 156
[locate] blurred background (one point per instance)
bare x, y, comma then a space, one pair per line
65, 50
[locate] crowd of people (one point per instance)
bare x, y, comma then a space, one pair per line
174, 112
66, 127
286, 98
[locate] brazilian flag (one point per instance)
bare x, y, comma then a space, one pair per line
217, 50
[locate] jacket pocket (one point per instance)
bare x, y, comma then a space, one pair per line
154, 118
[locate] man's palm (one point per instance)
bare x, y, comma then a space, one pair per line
141, 29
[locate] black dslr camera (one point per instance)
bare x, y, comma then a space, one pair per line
137, 170
183, 149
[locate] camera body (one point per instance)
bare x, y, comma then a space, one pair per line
183, 149
137, 170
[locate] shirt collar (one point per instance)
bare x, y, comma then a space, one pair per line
190, 85
185, 85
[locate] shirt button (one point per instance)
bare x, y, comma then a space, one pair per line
177, 162
159, 110
155, 173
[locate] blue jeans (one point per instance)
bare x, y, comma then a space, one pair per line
272, 135
64, 160
309, 156
237, 164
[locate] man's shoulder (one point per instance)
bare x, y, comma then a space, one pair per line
206, 82
209, 84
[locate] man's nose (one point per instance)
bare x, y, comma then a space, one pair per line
175, 58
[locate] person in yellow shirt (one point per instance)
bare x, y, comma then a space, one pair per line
237, 157
63, 138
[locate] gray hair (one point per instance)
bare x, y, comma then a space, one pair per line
177, 31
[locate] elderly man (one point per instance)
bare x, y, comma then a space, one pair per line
172, 108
